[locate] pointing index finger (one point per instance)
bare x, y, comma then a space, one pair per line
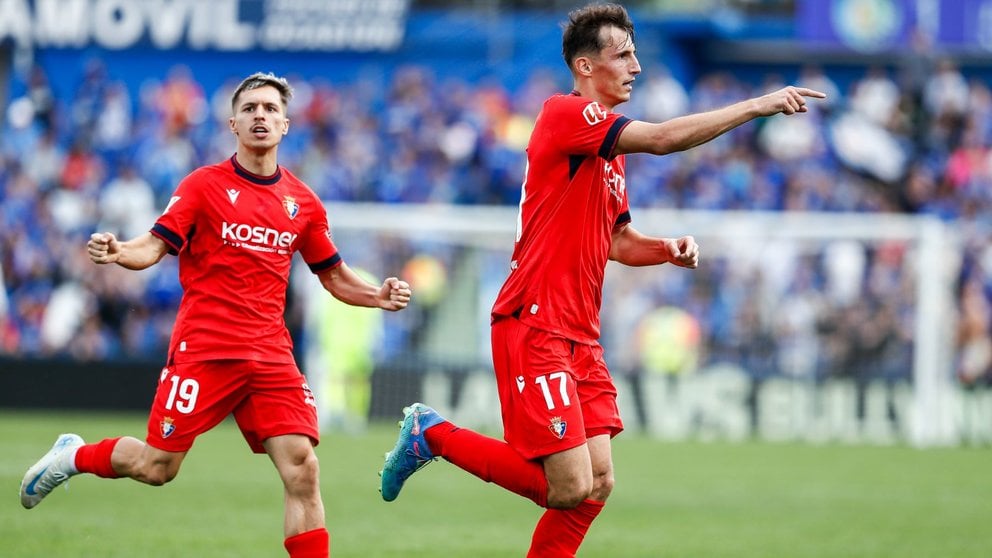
806, 92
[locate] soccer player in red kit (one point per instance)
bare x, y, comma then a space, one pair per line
557, 398
235, 227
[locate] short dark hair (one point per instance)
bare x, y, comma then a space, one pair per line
259, 79
582, 31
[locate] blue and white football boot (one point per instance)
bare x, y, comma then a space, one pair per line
411, 452
50, 471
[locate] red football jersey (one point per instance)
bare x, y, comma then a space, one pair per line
573, 197
235, 234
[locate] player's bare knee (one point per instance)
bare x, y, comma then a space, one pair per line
159, 474
567, 500
566, 496
304, 474
602, 486
309, 469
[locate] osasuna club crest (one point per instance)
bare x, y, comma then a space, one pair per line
292, 208
558, 427
167, 427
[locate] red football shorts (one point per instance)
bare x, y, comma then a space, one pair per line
554, 393
267, 400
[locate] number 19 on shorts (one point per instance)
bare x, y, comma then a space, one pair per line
182, 395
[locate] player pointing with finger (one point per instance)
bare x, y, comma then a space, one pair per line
558, 400
235, 227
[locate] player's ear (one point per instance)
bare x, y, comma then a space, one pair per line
230, 124
582, 66
285, 126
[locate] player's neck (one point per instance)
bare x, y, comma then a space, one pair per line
588, 91
261, 164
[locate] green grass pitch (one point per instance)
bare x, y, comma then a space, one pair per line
671, 500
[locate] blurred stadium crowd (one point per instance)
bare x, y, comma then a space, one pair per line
907, 139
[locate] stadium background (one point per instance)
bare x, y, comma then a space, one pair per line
110, 103
409, 120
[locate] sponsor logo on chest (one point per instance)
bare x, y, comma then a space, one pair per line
247, 223
259, 238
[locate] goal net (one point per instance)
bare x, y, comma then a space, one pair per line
814, 327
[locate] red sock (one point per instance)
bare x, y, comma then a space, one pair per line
560, 532
309, 544
489, 459
95, 458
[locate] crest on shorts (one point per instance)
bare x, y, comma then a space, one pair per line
292, 208
167, 427
558, 427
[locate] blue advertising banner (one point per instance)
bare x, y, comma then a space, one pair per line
224, 25
966, 23
887, 25
860, 25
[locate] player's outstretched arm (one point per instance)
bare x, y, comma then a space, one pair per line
348, 287
685, 132
138, 253
632, 248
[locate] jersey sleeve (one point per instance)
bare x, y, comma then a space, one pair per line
317, 247
581, 126
176, 224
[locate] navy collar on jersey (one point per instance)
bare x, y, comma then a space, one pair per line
252, 177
